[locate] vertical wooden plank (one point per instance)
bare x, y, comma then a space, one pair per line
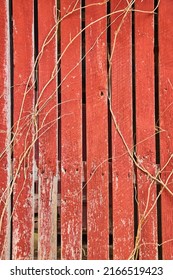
71, 132
145, 128
166, 120
48, 160
23, 131
97, 132
122, 165
5, 123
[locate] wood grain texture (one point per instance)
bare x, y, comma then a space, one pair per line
166, 120
23, 221
71, 131
122, 165
145, 129
5, 126
97, 135
38, 138
48, 123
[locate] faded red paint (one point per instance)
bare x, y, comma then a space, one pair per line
4, 133
166, 120
47, 106
122, 165
71, 134
97, 133
96, 170
23, 220
145, 128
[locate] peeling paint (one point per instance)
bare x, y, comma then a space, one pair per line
6, 118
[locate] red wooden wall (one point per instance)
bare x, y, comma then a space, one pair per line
86, 129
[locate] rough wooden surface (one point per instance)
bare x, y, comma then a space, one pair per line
48, 120
39, 135
71, 132
5, 127
166, 120
23, 220
121, 100
145, 129
97, 135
